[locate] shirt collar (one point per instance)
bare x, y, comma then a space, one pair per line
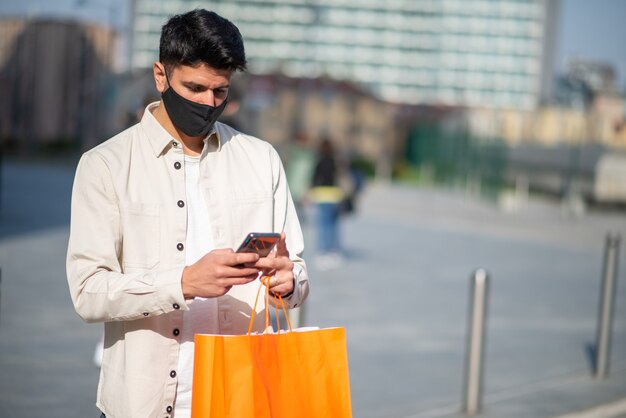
161, 141
213, 141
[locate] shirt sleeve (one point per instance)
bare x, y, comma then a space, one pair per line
99, 289
286, 219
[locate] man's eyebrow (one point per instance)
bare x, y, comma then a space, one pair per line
194, 84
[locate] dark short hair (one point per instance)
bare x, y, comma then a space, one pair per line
201, 36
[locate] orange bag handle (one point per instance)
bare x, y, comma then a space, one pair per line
265, 281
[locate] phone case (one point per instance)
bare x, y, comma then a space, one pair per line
259, 242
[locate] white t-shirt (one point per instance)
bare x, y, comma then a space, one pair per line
202, 314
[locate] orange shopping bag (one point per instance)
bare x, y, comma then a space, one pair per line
295, 374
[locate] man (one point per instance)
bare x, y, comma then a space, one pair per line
156, 213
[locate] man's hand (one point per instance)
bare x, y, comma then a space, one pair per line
219, 270
279, 266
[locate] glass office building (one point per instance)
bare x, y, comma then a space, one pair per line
493, 53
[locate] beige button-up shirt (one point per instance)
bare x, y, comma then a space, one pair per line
126, 249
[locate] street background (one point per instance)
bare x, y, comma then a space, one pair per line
489, 134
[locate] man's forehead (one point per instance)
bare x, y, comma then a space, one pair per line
200, 71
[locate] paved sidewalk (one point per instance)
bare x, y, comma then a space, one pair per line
46, 367
401, 294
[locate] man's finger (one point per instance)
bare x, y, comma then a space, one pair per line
223, 251
231, 272
268, 264
233, 281
235, 259
281, 246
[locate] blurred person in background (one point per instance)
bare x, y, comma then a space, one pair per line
330, 186
156, 213
353, 187
299, 166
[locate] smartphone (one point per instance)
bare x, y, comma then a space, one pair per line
259, 242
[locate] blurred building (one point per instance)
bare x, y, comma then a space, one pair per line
588, 109
573, 146
56, 82
591, 86
278, 108
444, 52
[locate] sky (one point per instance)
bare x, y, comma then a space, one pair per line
587, 28
103, 11
593, 29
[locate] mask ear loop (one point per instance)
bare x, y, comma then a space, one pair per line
167, 78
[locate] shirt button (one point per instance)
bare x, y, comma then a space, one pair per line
180, 246
177, 165
169, 409
181, 204
176, 332
176, 306
173, 373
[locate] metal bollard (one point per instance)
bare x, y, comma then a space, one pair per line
474, 366
607, 306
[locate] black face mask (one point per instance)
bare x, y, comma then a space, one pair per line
194, 119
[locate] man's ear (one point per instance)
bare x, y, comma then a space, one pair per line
160, 79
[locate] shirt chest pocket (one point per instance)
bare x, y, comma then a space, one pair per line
140, 235
254, 213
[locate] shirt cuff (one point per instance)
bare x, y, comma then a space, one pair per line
295, 298
171, 292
